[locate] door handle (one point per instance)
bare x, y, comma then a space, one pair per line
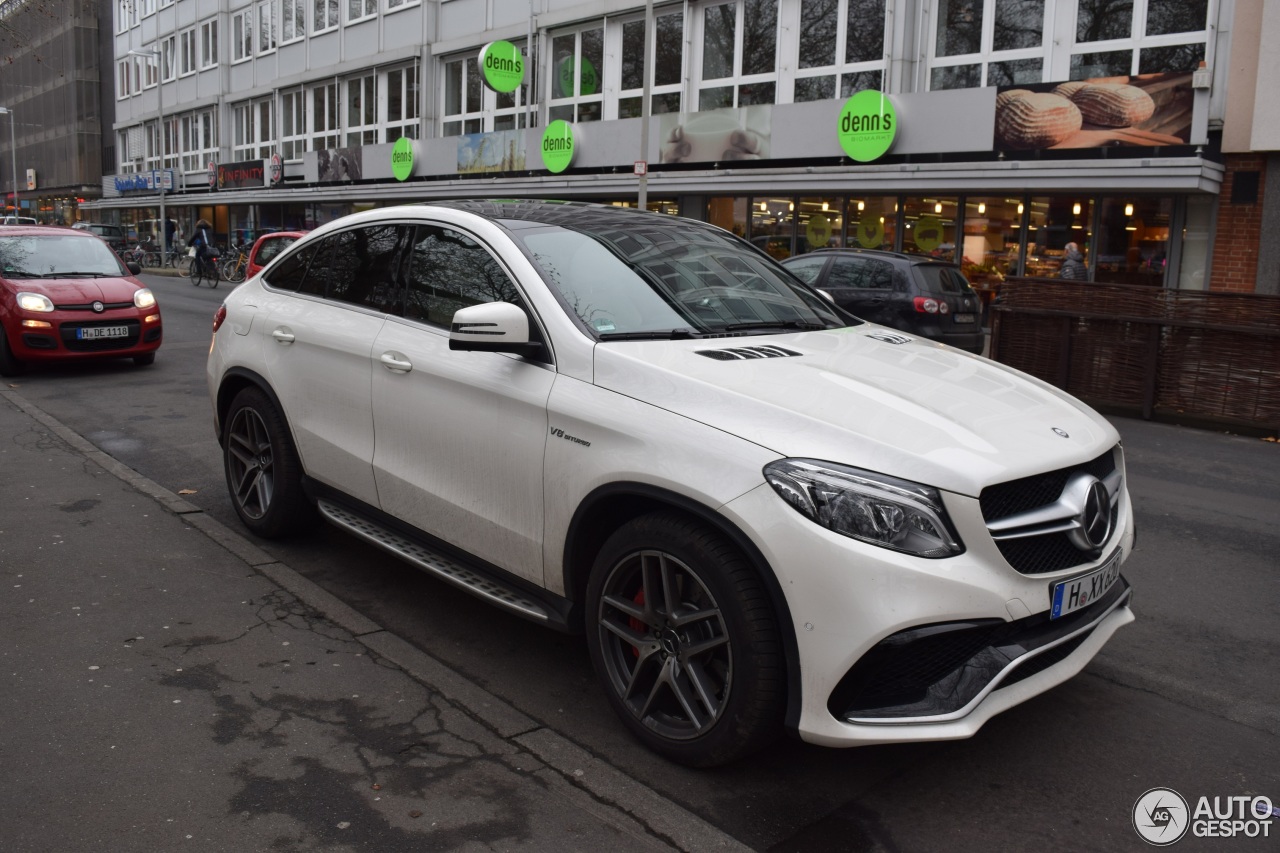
395, 362
283, 336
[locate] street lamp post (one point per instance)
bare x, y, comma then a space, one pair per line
164, 221
13, 154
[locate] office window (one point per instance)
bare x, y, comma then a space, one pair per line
471, 108
267, 25
402, 103
187, 52
253, 130
324, 15
241, 35
150, 71
1139, 37
400, 4
665, 84
293, 125
360, 9
293, 24
123, 79
209, 44
362, 110
324, 117
577, 75
840, 48
168, 58
988, 42
124, 13
739, 54
199, 141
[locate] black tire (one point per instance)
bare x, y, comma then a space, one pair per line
264, 474
212, 276
144, 360
10, 364
701, 681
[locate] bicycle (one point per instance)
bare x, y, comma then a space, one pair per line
204, 270
235, 266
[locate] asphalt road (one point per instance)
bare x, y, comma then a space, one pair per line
1188, 697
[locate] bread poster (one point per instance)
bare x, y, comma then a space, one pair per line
1149, 110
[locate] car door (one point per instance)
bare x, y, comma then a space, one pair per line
321, 314
460, 435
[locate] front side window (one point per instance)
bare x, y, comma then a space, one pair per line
739, 54
448, 270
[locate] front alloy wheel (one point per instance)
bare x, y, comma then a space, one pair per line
686, 641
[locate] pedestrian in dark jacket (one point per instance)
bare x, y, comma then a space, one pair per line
1073, 265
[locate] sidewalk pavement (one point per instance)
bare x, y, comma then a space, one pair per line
167, 685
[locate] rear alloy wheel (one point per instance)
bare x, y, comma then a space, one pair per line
264, 474
10, 364
684, 637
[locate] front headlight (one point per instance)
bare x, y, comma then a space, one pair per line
143, 298
35, 302
885, 511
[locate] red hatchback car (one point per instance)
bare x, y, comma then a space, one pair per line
267, 247
65, 296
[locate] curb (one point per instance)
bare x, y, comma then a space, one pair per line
627, 800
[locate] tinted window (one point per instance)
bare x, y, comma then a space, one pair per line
290, 273
448, 270
862, 273
940, 279
806, 267
360, 266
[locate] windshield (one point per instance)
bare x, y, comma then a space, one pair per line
660, 280
54, 256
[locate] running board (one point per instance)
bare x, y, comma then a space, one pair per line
435, 563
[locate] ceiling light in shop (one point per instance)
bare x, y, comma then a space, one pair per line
1019, 208
1128, 210
825, 207
862, 205
937, 208
791, 206
982, 208
1075, 208
764, 207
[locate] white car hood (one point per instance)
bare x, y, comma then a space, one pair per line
916, 410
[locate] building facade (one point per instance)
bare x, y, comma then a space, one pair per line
50, 81
1017, 126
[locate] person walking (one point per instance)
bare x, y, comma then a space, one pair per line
1073, 265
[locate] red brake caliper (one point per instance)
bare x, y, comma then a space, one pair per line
636, 624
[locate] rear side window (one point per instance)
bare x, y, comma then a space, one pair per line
448, 270
807, 268
864, 273
360, 266
936, 278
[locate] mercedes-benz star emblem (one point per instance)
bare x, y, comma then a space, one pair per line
98, 307
1087, 495
1061, 432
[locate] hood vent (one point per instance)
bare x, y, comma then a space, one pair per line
890, 337
743, 353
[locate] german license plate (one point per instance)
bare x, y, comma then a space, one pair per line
93, 333
964, 318
1071, 595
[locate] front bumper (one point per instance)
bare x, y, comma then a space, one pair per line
58, 340
893, 648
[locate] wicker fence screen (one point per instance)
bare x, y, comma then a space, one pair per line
1205, 354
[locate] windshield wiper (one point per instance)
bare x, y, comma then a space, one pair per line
71, 274
19, 274
801, 325
655, 335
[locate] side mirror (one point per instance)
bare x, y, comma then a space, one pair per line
134, 269
492, 327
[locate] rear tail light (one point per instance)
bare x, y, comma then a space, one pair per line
218, 317
929, 305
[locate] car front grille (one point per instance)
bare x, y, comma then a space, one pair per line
1052, 551
74, 344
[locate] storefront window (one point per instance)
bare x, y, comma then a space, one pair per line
728, 213
930, 227
992, 235
771, 225
819, 223
872, 222
1054, 222
1133, 240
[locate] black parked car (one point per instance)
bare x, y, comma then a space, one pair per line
912, 293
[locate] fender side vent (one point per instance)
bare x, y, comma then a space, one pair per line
743, 353
890, 337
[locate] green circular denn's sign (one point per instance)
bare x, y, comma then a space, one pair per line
501, 66
867, 125
558, 146
402, 158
